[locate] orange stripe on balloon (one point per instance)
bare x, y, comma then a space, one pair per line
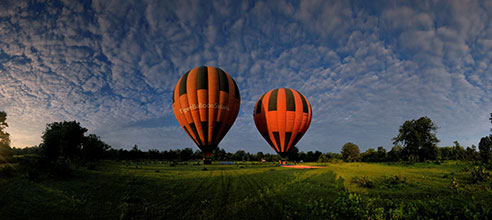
213, 98
281, 115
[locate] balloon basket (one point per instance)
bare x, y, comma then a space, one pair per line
207, 161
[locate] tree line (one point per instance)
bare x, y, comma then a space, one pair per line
65, 143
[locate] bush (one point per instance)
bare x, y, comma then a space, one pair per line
454, 183
479, 174
31, 165
7, 171
395, 180
91, 166
363, 182
61, 168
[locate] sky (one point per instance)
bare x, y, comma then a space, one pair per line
365, 66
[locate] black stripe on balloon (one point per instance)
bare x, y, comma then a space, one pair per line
193, 129
216, 130
202, 78
304, 103
173, 95
276, 135
272, 101
223, 82
267, 138
298, 137
236, 95
226, 129
289, 100
258, 106
182, 84
205, 132
186, 129
287, 139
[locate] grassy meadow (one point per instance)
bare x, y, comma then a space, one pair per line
162, 190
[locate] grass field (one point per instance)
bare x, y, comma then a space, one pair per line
157, 190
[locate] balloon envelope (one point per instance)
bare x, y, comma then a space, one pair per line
282, 117
206, 103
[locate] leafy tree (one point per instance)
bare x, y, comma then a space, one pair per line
490, 118
418, 139
260, 156
350, 152
446, 153
240, 155
369, 156
153, 154
323, 158
93, 148
459, 151
62, 139
484, 146
219, 154
186, 154
395, 153
472, 154
381, 154
5, 150
4, 136
293, 153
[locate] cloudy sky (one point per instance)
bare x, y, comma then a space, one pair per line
365, 66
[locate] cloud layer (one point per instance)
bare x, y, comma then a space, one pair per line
365, 67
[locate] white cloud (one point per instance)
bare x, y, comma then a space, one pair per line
113, 63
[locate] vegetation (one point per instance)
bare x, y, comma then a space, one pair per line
157, 190
418, 139
5, 150
59, 179
350, 152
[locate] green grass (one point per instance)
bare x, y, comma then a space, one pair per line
156, 190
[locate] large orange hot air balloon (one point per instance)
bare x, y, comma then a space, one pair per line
282, 116
206, 103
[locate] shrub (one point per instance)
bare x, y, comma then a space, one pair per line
91, 166
61, 168
395, 180
363, 182
454, 183
479, 174
6, 171
31, 166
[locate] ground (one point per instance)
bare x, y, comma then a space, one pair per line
162, 190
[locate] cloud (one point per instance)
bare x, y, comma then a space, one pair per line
112, 65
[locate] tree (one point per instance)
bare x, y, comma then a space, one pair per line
292, 154
381, 154
62, 139
418, 139
350, 152
5, 150
369, 156
240, 155
484, 147
472, 154
446, 153
93, 148
4, 136
186, 154
395, 153
459, 151
490, 118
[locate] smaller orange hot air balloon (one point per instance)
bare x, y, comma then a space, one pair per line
282, 117
206, 103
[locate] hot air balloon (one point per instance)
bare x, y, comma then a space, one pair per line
206, 103
282, 117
